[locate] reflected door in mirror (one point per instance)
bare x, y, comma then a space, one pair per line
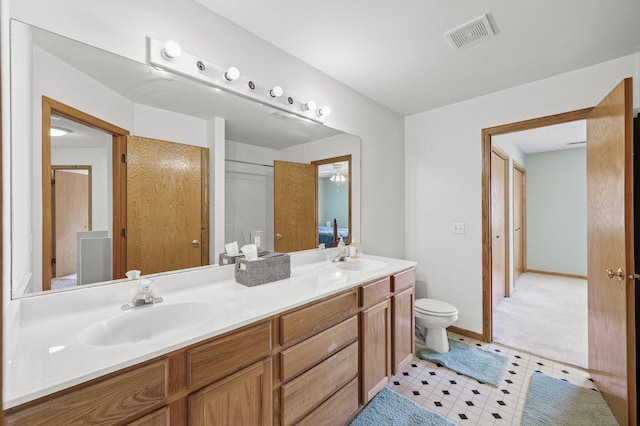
71, 213
294, 186
167, 205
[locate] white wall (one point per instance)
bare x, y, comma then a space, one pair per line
333, 202
557, 211
443, 175
156, 123
121, 26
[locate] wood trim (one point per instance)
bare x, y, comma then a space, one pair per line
487, 133
119, 176
521, 168
329, 161
119, 221
466, 333
557, 274
2, 283
204, 203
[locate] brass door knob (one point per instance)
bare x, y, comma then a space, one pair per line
195, 243
278, 236
619, 273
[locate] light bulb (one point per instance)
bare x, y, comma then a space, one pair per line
171, 50
324, 111
58, 131
310, 106
276, 91
232, 73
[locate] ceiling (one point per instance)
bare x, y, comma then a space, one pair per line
549, 138
395, 52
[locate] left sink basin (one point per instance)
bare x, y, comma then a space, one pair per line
145, 323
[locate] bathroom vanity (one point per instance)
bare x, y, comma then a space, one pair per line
311, 349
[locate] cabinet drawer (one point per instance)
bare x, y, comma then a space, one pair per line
375, 292
101, 403
303, 394
212, 361
337, 410
403, 280
305, 355
308, 321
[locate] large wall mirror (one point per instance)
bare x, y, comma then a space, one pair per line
85, 221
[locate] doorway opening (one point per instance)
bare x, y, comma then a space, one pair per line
59, 122
517, 219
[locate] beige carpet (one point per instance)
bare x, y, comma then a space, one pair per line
547, 316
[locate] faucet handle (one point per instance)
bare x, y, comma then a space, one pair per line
134, 274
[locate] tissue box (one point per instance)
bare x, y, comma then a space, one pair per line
273, 267
227, 259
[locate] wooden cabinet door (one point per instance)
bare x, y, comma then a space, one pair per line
244, 398
375, 350
402, 324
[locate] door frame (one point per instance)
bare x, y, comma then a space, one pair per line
119, 148
53, 204
341, 158
507, 224
523, 220
487, 133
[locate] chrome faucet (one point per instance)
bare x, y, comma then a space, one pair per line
341, 256
144, 296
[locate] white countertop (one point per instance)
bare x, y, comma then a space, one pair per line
44, 354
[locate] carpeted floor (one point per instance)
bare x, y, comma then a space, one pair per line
547, 316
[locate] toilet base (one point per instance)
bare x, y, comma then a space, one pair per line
437, 340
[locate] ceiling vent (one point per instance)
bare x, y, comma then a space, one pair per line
469, 33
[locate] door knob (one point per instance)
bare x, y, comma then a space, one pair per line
195, 243
278, 236
619, 273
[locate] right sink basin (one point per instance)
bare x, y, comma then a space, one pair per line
361, 265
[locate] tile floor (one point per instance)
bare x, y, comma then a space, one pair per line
465, 401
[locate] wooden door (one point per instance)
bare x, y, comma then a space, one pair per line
375, 350
167, 205
499, 252
294, 186
610, 233
241, 399
72, 204
519, 211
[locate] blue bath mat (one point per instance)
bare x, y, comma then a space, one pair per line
484, 366
556, 402
392, 409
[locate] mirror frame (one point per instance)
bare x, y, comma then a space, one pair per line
119, 178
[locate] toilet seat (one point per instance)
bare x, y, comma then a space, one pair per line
434, 307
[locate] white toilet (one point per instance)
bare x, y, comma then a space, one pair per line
432, 318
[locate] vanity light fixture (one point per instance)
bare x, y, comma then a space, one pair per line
171, 50
231, 74
324, 111
58, 131
309, 106
276, 91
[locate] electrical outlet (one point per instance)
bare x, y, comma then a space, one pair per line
457, 228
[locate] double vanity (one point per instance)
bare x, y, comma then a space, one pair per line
311, 349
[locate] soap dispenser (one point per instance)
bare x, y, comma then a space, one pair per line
353, 249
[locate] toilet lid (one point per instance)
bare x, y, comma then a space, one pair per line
435, 307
